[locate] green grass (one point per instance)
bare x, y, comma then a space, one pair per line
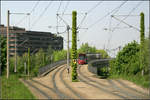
142, 81
12, 88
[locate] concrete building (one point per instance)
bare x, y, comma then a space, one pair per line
30, 39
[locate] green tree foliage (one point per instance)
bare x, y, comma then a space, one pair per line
103, 53
86, 48
74, 46
146, 56
3, 55
48, 55
38, 60
127, 64
126, 60
59, 55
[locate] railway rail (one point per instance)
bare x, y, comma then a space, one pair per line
57, 85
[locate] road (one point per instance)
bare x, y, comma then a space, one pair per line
57, 85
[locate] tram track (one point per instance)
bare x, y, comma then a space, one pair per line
132, 89
57, 85
61, 94
83, 78
36, 88
41, 84
67, 85
128, 94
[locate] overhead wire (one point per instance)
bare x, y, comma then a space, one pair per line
89, 11
57, 16
40, 16
66, 6
128, 14
90, 26
59, 6
124, 19
33, 9
109, 30
115, 10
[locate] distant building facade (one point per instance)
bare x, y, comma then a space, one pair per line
20, 40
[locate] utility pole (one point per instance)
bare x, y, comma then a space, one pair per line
68, 28
68, 48
15, 70
28, 61
8, 44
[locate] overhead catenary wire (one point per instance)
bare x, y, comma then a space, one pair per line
66, 6
114, 10
45, 9
59, 6
131, 26
128, 14
109, 31
89, 11
57, 16
85, 15
90, 26
33, 9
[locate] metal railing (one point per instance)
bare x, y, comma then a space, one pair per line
48, 68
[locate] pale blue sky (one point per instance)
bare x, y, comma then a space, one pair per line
96, 35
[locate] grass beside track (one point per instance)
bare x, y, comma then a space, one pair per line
12, 88
142, 81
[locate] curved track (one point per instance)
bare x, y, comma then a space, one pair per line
129, 93
57, 85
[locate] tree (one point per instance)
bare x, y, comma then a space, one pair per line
3, 56
85, 48
59, 55
74, 47
103, 53
127, 60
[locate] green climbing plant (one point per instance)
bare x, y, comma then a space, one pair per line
74, 47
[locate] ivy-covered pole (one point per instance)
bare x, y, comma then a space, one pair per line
142, 38
142, 28
74, 47
28, 61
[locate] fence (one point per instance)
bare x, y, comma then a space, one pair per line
46, 69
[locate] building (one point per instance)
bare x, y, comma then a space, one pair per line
20, 40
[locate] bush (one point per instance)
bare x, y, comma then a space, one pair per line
59, 55
103, 71
127, 59
3, 55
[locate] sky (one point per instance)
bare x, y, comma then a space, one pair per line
97, 28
